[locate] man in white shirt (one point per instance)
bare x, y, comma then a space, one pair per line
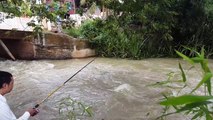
6, 86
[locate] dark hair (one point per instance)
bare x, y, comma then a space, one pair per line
5, 77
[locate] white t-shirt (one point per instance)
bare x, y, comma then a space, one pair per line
7, 114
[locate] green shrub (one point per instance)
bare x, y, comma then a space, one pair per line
72, 31
140, 29
70, 109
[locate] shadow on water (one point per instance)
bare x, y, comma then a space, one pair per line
115, 88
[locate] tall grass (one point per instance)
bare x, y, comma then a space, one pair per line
197, 106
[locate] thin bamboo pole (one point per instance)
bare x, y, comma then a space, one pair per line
7, 50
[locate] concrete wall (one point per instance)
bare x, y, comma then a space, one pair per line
52, 46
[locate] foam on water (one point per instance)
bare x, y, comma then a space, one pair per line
123, 87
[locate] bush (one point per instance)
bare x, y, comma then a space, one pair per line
140, 29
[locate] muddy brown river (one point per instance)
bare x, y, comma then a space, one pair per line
117, 89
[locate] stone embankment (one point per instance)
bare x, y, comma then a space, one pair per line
26, 45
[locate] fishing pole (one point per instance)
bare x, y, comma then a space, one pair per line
51, 93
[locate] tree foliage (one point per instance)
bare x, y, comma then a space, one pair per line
160, 25
153, 27
29, 8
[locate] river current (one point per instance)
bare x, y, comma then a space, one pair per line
116, 89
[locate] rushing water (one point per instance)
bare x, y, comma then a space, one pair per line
116, 89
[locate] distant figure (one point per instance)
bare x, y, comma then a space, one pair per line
59, 24
67, 15
6, 86
77, 3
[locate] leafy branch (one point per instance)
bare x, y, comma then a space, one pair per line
73, 110
199, 106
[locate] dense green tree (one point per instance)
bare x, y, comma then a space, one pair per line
29, 8
159, 25
12, 8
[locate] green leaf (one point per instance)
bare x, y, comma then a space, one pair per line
208, 83
202, 53
89, 111
199, 114
197, 59
207, 112
206, 78
185, 57
193, 105
204, 65
185, 99
208, 116
182, 73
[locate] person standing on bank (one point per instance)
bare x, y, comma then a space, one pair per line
6, 86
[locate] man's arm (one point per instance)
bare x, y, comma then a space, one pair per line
25, 116
7, 114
